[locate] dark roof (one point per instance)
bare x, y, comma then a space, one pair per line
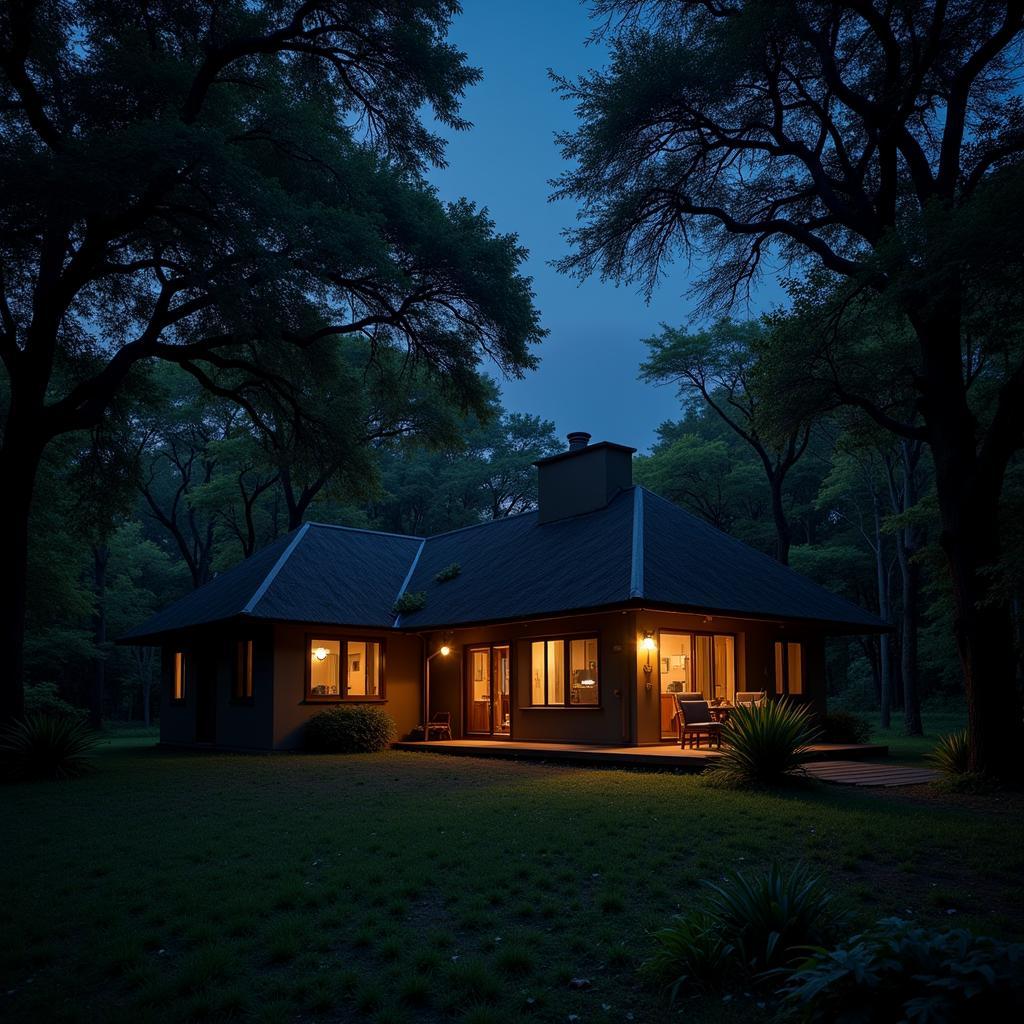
639, 549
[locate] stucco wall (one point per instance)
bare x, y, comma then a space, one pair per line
402, 679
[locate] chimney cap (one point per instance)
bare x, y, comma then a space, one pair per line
577, 439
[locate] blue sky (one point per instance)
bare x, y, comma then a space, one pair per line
588, 374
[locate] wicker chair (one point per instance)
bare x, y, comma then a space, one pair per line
694, 722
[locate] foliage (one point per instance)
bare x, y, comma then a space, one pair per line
449, 572
350, 729
844, 727
44, 746
410, 601
764, 744
899, 971
744, 925
951, 755
45, 699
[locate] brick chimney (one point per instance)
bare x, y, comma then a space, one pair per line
582, 479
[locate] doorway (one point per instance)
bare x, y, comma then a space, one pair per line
703, 663
488, 696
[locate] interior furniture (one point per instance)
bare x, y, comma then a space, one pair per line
754, 698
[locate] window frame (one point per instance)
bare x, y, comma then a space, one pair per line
179, 657
693, 634
567, 639
782, 685
343, 697
245, 694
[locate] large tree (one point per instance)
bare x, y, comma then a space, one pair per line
209, 182
881, 142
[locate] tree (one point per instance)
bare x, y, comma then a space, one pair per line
213, 183
716, 365
881, 143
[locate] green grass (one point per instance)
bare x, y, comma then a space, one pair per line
913, 749
407, 887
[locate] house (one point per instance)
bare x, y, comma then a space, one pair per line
574, 623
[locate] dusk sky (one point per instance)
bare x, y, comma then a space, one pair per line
588, 375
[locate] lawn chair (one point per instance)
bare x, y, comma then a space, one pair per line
695, 722
752, 698
440, 722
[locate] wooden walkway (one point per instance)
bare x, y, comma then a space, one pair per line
859, 773
658, 757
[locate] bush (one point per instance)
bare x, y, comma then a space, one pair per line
742, 927
46, 747
350, 729
45, 699
951, 754
901, 972
764, 744
844, 727
409, 602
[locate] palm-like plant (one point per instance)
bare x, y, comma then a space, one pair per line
46, 747
951, 754
766, 744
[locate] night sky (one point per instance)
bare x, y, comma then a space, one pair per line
588, 374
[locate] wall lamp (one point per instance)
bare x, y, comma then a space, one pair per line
648, 645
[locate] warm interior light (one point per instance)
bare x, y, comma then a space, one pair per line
445, 650
320, 653
648, 643
588, 682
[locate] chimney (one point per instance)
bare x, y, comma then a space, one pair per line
583, 479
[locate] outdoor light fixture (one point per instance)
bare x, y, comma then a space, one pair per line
320, 653
648, 645
445, 650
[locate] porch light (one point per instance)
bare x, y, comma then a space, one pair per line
445, 650
320, 653
648, 643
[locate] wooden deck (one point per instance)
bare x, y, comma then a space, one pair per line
858, 773
659, 757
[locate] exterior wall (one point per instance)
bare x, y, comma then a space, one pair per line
610, 722
402, 700
755, 659
210, 662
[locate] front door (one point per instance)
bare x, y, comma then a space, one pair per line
488, 696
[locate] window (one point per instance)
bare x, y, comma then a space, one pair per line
564, 673
789, 668
178, 677
241, 683
342, 669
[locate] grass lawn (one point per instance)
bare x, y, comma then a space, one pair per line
913, 749
414, 887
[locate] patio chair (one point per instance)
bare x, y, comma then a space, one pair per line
694, 722
440, 722
753, 698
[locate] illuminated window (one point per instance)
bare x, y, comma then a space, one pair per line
789, 668
179, 673
241, 684
340, 669
703, 663
564, 673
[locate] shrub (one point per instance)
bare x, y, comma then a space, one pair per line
844, 727
743, 926
951, 754
764, 744
46, 747
899, 971
449, 572
350, 729
45, 699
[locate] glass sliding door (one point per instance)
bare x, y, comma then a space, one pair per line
703, 663
488, 695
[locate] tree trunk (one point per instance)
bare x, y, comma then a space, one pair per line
910, 579
19, 464
100, 557
884, 653
783, 535
968, 493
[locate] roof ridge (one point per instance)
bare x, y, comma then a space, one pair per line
477, 526
636, 569
405, 582
364, 529
275, 569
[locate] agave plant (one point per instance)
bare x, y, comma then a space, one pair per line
951, 754
46, 747
765, 744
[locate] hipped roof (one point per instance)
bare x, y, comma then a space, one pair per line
638, 550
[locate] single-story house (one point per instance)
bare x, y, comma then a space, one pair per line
578, 622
